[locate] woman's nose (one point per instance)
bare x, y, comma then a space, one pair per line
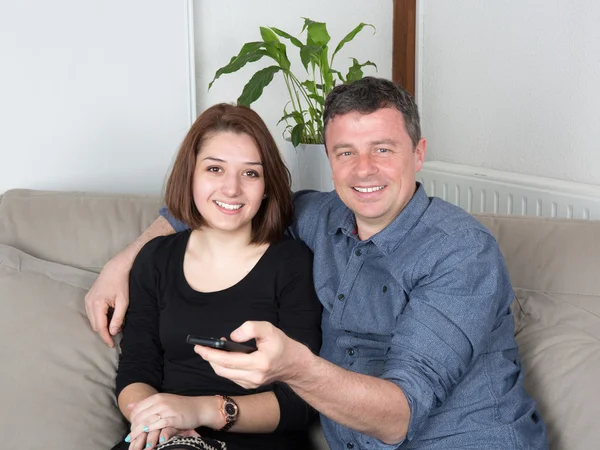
231, 185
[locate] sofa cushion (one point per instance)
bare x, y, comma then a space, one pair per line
548, 254
559, 344
74, 228
553, 265
58, 376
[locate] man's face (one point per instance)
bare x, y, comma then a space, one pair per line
373, 165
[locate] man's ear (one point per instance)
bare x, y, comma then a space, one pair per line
419, 154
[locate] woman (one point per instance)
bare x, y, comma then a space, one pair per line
231, 186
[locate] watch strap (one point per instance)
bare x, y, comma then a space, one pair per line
229, 409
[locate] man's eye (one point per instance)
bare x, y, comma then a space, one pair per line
382, 150
345, 153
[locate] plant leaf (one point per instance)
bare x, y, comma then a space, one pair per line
355, 72
237, 62
316, 32
313, 113
283, 60
250, 47
310, 86
292, 39
351, 36
298, 117
254, 88
340, 76
296, 134
310, 53
285, 117
268, 35
275, 48
326, 72
306, 22
320, 100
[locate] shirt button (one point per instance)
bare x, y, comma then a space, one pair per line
351, 351
358, 252
349, 445
341, 297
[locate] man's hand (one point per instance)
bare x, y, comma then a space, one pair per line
275, 359
110, 290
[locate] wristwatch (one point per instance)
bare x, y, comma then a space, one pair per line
229, 410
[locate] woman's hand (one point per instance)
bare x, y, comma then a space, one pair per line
164, 411
150, 440
146, 440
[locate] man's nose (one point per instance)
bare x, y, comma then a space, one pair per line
366, 166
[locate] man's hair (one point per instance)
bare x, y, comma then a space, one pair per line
369, 94
275, 213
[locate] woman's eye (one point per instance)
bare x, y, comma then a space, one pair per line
213, 169
252, 174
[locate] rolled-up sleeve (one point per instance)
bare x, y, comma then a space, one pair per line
458, 292
177, 225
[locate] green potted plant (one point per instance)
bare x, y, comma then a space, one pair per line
307, 89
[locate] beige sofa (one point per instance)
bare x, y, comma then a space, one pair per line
57, 376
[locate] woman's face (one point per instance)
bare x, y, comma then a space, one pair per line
229, 184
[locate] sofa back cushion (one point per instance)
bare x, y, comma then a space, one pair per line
559, 255
553, 264
73, 228
57, 375
559, 344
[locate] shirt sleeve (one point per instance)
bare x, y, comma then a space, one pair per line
459, 293
176, 224
141, 359
307, 205
300, 319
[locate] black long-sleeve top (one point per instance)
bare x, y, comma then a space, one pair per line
164, 309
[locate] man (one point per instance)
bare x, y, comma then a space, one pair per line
418, 338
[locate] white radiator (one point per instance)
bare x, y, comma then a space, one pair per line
492, 191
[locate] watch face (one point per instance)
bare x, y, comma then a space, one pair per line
230, 409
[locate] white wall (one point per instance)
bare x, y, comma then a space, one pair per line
94, 95
512, 85
222, 27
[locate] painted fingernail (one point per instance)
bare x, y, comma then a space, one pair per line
162, 439
145, 429
148, 445
128, 438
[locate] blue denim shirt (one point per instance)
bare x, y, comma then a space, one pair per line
425, 304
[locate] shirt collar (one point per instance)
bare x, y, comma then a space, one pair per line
342, 219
